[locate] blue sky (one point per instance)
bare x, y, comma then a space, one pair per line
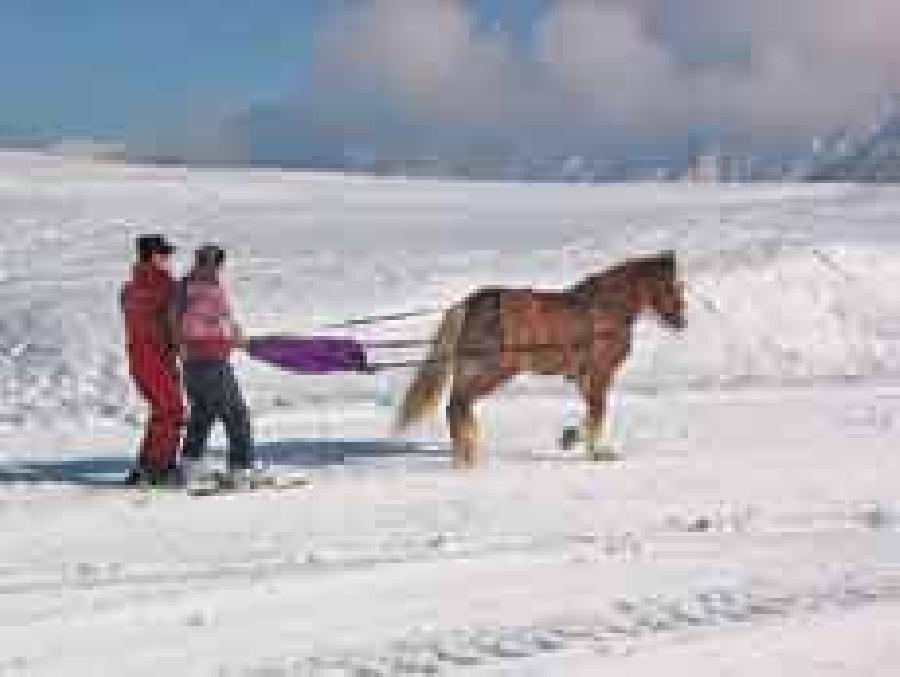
549, 76
132, 68
119, 67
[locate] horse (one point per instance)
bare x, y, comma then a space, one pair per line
582, 333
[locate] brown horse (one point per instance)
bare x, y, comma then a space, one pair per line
582, 333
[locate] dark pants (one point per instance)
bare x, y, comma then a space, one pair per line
214, 395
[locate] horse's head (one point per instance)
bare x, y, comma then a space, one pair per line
646, 285
665, 292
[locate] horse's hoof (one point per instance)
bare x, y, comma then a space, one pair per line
571, 436
464, 464
603, 455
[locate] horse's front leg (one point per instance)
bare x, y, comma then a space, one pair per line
594, 390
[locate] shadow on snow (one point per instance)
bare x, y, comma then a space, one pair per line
110, 471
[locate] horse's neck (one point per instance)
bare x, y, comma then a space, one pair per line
620, 294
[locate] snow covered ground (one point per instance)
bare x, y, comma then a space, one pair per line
752, 525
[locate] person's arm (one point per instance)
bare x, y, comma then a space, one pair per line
237, 331
238, 338
173, 313
174, 328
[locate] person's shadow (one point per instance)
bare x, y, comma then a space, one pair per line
111, 471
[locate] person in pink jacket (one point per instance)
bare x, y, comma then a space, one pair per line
207, 335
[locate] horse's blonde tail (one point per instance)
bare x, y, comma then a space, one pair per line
425, 391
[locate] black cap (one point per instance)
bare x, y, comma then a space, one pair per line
210, 255
148, 245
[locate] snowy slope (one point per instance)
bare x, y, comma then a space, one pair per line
752, 521
782, 283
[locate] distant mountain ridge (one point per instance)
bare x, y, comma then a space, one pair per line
873, 157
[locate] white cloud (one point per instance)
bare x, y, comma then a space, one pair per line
427, 53
759, 69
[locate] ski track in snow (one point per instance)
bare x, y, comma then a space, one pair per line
757, 484
426, 547
622, 629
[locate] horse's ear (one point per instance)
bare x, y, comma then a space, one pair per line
667, 258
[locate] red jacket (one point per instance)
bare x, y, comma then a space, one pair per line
146, 303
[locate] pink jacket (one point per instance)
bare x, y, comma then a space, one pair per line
207, 328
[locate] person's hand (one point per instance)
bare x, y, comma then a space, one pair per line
172, 363
238, 336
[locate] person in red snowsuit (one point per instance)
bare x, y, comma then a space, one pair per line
147, 304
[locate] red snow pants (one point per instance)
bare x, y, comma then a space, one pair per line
159, 385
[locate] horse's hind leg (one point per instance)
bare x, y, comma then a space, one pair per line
467, 390
463, 430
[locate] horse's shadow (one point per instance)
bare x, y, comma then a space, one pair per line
335, 452
305, 454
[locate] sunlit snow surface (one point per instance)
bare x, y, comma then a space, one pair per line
750, 527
